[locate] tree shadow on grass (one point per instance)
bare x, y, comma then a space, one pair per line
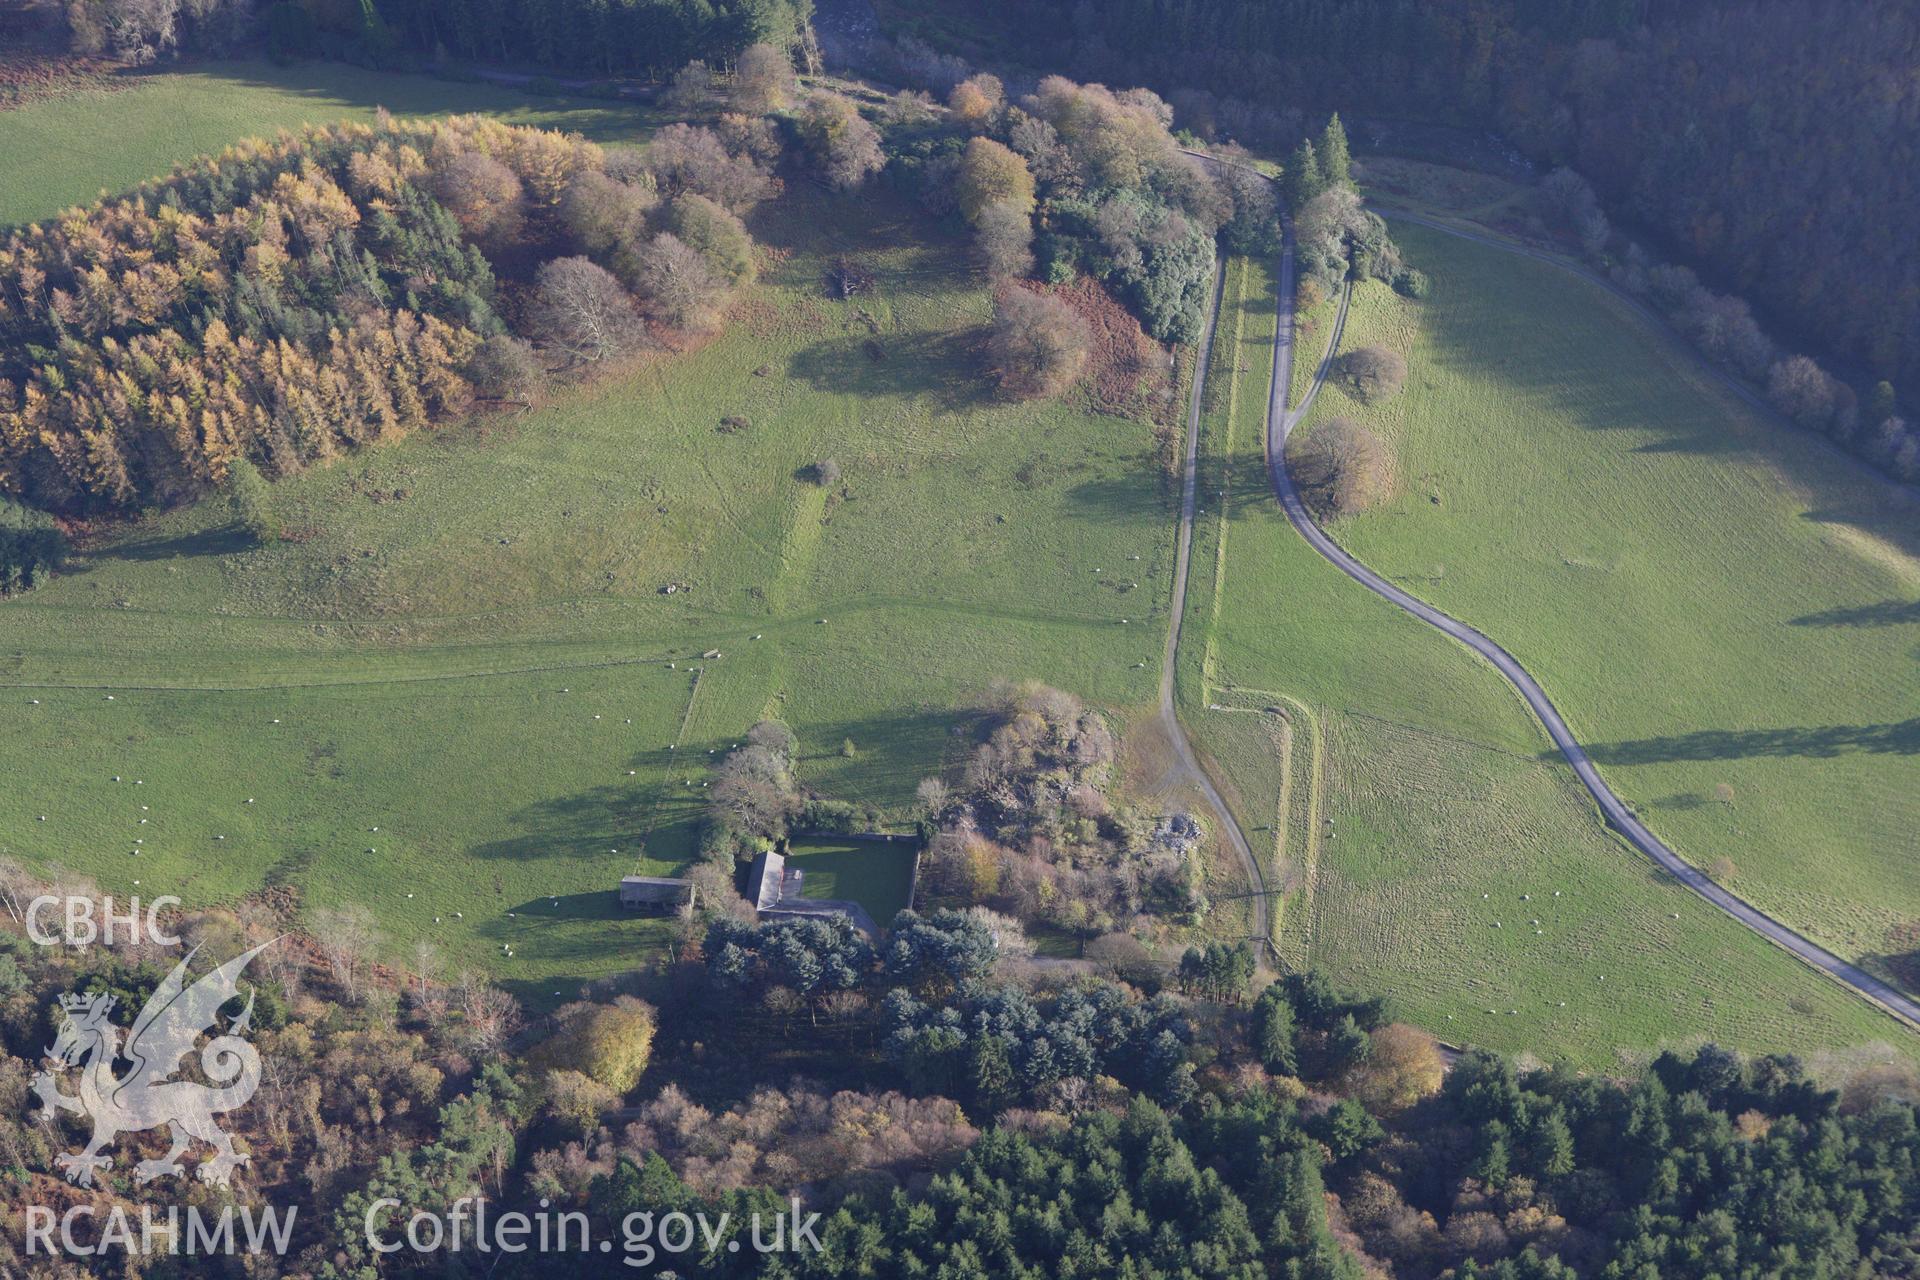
941, 366
657, 821
225, 540
1885, 613
1900, 737
892, 753
1496, 334
808, 220
654, 821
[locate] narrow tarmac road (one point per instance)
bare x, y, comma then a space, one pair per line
1186, 768
1280, 424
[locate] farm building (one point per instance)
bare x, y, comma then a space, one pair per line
660, 895
766, 883
777, 893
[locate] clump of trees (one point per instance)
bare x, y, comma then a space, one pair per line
1342, 468
1039, 344
142, 31
1373, 373
610, 1044
1217, 971
994, 191
1183, 1136
1669, 111
1239, 1193
1030, 831
787, 965
997, 1046
836, 1143
1081, 179
1337, 239
755, 795
290, 300
840, 142
1313, 170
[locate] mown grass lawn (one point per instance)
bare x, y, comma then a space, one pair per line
1442, 829
1726, 611
467, 644
877, 876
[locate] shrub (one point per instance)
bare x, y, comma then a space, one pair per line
825, 473
31, 546
1413, 283
1039, 345
689, 88
250, 500
1003, 239
1374, 373
504, 368
1803, 391
717, 236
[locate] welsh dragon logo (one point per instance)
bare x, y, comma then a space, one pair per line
147, 1096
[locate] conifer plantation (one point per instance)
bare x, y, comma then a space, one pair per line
287, 301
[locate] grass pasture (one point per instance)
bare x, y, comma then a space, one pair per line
1725, 610
107, 142
1434, 788
467, 646
877, 876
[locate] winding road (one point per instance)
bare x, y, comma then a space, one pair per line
1280, 423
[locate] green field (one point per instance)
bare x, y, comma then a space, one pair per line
466, 644
877, 876
1434, 789
1725, 610
73, 150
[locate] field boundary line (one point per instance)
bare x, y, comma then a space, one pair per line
368, 682
1542, 758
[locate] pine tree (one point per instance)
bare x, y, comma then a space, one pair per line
1492, 1163
1880, 403
1273, 1030
990, 1074
1304, 179
1335, 159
